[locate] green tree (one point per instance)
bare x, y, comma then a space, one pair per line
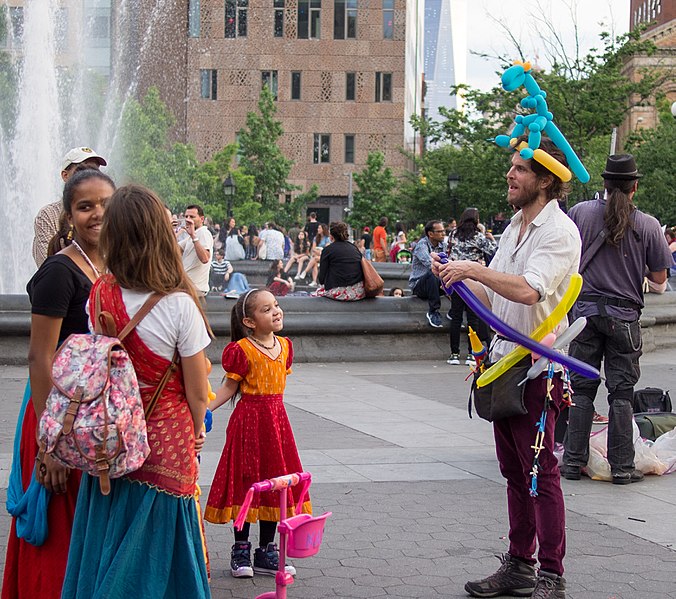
655, 152
149, 158
293, 212
209, 178
261, 157
375, 195
587, 95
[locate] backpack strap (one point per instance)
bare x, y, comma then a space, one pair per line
162, 384
592, 250
140, 315
105, 322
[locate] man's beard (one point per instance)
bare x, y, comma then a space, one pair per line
526, 198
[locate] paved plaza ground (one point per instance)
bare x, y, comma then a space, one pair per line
418, 503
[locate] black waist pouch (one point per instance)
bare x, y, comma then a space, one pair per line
503, 397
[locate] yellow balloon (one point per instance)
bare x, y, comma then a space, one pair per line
548, 324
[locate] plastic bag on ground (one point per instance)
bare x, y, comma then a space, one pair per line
646, 457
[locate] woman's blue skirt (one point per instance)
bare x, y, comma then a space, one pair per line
137, 541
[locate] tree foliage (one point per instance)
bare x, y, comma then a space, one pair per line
655, 152
588, 96
149, 157
260, 155
375, 194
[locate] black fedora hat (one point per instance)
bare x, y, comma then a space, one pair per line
621, 166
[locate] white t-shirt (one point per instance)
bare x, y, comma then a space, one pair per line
173, 322
274, 241
198, 272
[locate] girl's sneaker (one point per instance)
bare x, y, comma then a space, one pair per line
240, 560
454, 360
470, 361
266, 561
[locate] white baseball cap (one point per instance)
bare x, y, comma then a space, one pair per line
77, 155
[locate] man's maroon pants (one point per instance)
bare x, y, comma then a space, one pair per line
541, 518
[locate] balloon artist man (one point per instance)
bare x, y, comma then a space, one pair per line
539, 253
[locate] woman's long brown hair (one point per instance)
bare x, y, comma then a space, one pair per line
139, 247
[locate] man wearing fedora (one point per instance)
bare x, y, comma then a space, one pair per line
619, 245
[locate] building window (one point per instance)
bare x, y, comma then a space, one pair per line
194, 18
208, 84
344, 19
309, 17
383, 87
388, 19
295, 85
322, 148
279, 18
349, 149
269, 79
350, 86
236, 17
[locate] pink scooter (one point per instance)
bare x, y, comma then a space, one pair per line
299, 536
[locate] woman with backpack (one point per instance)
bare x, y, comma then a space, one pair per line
36, 554
143, 539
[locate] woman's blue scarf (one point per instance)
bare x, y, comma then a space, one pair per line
28, 507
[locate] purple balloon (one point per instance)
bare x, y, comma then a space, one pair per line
513, 335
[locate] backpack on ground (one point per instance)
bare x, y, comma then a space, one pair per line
655, 424
651, 399
94, 418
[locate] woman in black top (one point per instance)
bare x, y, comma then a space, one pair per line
340, 272
58, 292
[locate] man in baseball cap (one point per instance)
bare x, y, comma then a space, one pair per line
79, 156
46, 223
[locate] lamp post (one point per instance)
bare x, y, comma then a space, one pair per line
229, 190
453, 181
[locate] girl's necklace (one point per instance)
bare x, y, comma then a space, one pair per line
76, 245
257, 342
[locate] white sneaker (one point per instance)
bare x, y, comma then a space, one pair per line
313, 284
454, 360
470, 361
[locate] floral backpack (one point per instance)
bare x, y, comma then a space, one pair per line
94, 419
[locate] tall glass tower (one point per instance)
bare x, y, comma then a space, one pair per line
445, 53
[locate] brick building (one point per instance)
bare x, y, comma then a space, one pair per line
346, 73
660, 17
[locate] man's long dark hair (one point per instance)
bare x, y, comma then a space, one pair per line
619, 208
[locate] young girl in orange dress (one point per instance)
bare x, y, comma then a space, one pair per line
259, 440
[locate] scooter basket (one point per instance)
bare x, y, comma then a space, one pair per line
304, 534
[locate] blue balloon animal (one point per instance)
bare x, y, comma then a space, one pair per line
537, 124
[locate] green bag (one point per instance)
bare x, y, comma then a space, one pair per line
652, 425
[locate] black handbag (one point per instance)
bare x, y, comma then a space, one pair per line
503, 397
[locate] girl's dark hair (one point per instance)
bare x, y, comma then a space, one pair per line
338, 231
619, 207
274, 267
399, 227
243, 307
468, 224
63, 237
75, 180
322, 231
301, 246
252, 231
